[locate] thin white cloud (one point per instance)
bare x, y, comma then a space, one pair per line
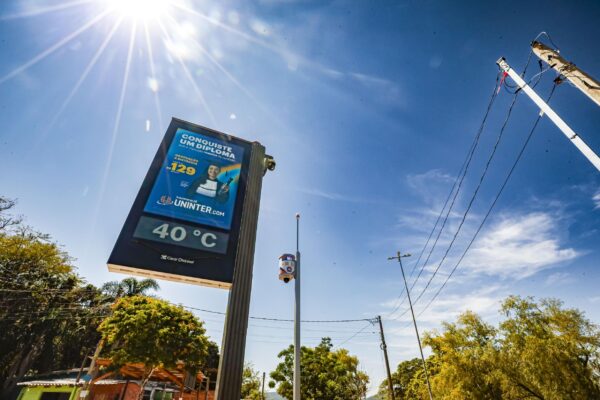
559, 278
435, 61
370, 80
335, 196
596, 199
432, 186
447, 308
595, 299
260, 27
519, 246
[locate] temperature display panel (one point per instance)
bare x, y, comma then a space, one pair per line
178, 234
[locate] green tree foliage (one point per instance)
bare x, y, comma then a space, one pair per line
539, 351
251, 384
401, 379
48, 315
129, 287
154, 332
547, 351
464, 356
211, 364
326, 374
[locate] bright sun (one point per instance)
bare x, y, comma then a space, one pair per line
140, 9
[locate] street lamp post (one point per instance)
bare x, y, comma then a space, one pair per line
289, 268
297, 315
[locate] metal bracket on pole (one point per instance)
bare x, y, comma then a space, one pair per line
566, 130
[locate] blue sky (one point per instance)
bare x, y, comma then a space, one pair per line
369, 109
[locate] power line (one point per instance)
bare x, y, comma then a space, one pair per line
473, 197
284, 320
335, 321
482, 177
506, 179
357, 332
457, 184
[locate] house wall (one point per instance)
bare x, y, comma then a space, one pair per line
34, 393
113, 392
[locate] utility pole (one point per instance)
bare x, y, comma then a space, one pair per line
566, 130
399, 257
582, 81
297, 315
263, 386
387, 363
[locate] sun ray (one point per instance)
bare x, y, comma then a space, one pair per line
221, 67
153, 72
54, 47
233, 79
283, 52
231, 29
190, 78
113, 138
44, 10
85, 73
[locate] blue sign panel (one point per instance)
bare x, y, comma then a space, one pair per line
198, 180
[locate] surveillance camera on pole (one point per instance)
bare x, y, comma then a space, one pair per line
287, 267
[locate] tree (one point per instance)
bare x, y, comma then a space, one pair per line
48, 315
326, 374
8, 220
401, 378
539, 351
154, 332
211, 364
251, 383
465, 354
129, 287
115, 290
557, 351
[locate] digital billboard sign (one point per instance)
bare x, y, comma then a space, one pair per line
185, 221
198, 180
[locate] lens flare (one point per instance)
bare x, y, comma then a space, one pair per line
140, 9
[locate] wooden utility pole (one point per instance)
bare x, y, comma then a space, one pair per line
582, 81
399, 257
387, 363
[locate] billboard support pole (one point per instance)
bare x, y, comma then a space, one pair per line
231, 363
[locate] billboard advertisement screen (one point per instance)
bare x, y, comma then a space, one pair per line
185, 221
198, 181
